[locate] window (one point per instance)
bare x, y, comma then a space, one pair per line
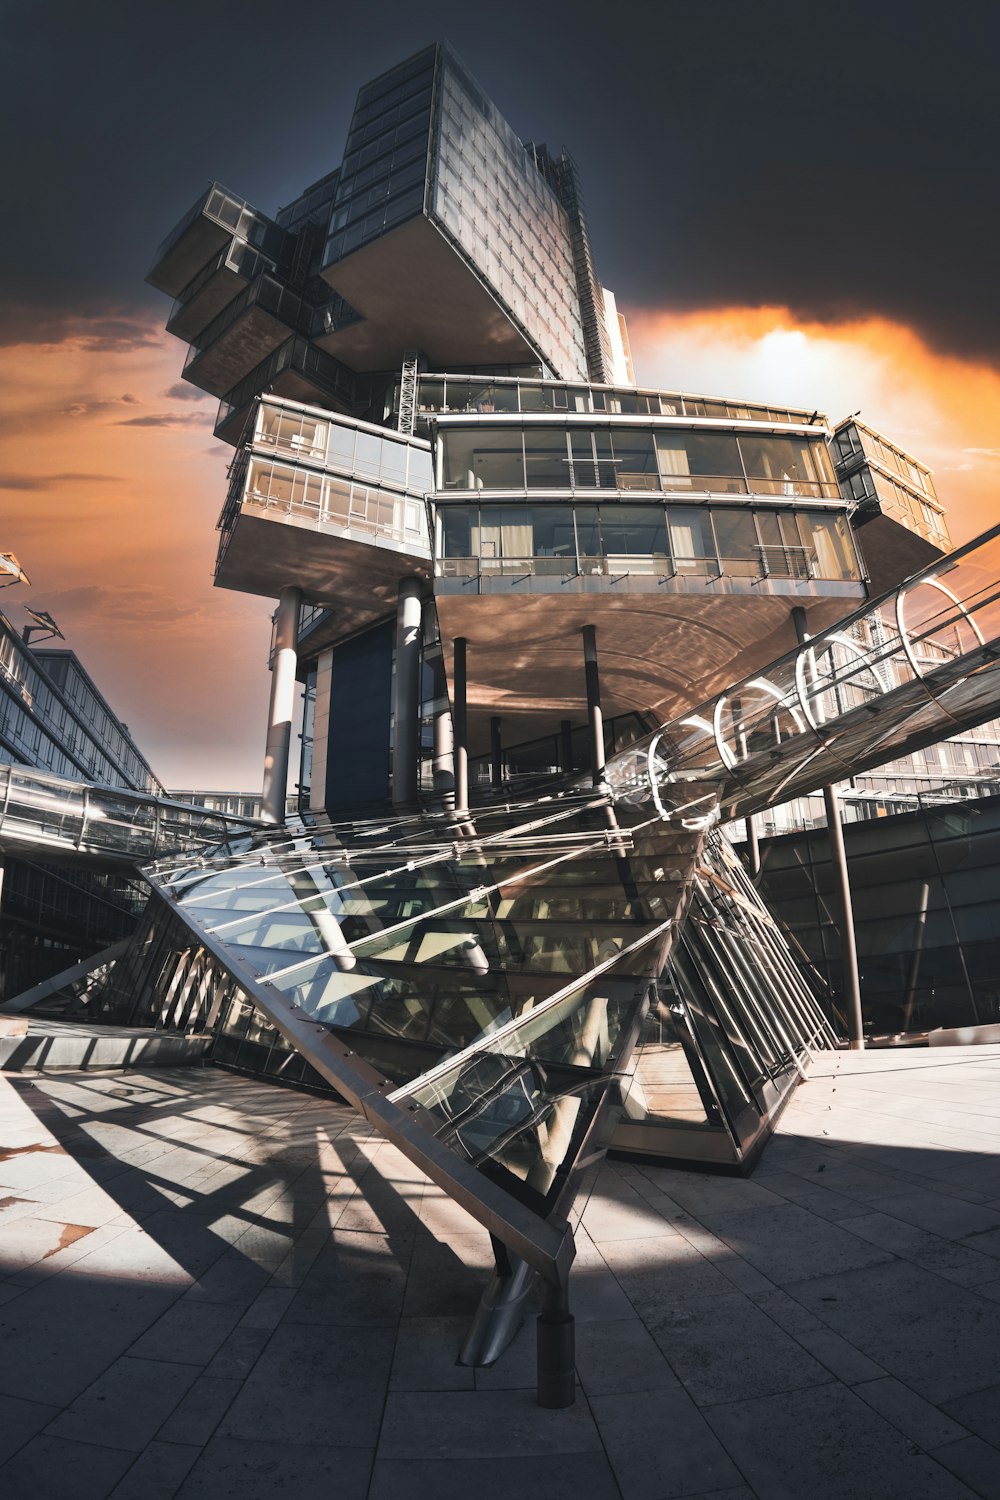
480, 460
691, 540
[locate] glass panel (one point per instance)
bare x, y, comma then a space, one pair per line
634, 531
481, 460
691, 540
546, 459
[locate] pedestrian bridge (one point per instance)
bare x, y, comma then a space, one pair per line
103, 827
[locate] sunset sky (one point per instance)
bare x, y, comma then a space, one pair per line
792, 204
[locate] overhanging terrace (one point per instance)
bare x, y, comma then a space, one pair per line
333, 504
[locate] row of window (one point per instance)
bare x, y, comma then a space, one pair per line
340, 502
670, 459
340, 446
460, 393
738, 542
852, 440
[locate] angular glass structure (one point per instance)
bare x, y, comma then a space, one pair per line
553, 629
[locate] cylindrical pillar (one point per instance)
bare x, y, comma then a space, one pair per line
461, 726
282, 706
594, 715
444, 738
848, 945
565, 745
496, 754
406, 695
556, 1350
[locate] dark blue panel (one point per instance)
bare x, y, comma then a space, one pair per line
357, 766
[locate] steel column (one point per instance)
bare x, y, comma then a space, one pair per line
461, 726
594, 715
281, 708
838, 855
406, 695
565, 745
496, 754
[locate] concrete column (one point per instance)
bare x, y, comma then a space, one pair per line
496, 754
594, 715
838, 855
282, 706
406, 697
460, 720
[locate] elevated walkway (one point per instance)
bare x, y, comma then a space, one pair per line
919, 665
105, 828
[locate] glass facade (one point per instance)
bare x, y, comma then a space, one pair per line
489, 196
925, 887
493, 392
341, 474
655, 539
498, 984
382, 176
668, 460
875, 474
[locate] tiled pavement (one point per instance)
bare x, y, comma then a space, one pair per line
214, 1288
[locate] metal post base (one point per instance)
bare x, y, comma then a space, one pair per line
556, 1359
499, 1315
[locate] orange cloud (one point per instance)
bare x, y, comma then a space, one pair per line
945, 411
113, 488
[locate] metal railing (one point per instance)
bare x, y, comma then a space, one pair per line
50, 816
916, 666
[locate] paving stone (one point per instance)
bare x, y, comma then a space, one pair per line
315, 1385
19, 1421
481, 1424
426, 1354
790, 1244
239, 1353
446, 1277
955, 1262
157, 1473
684, 1458
255, 1469
189, 1333
50, 1468
565, 1476
59, 1336
358, 1278
839, 1357
197, 1416
979, 1412
916, 1419
826, 1441
976, 1463
942, 1340
126, 1406
941, 1214
620, 1357
723, 1346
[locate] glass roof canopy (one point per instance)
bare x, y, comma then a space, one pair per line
475, 989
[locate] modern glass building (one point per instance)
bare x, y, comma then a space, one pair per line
55, 720
552, 629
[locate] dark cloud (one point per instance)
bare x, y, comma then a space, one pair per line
52, 481
92, 408
168, 419
184, 392
837, 159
